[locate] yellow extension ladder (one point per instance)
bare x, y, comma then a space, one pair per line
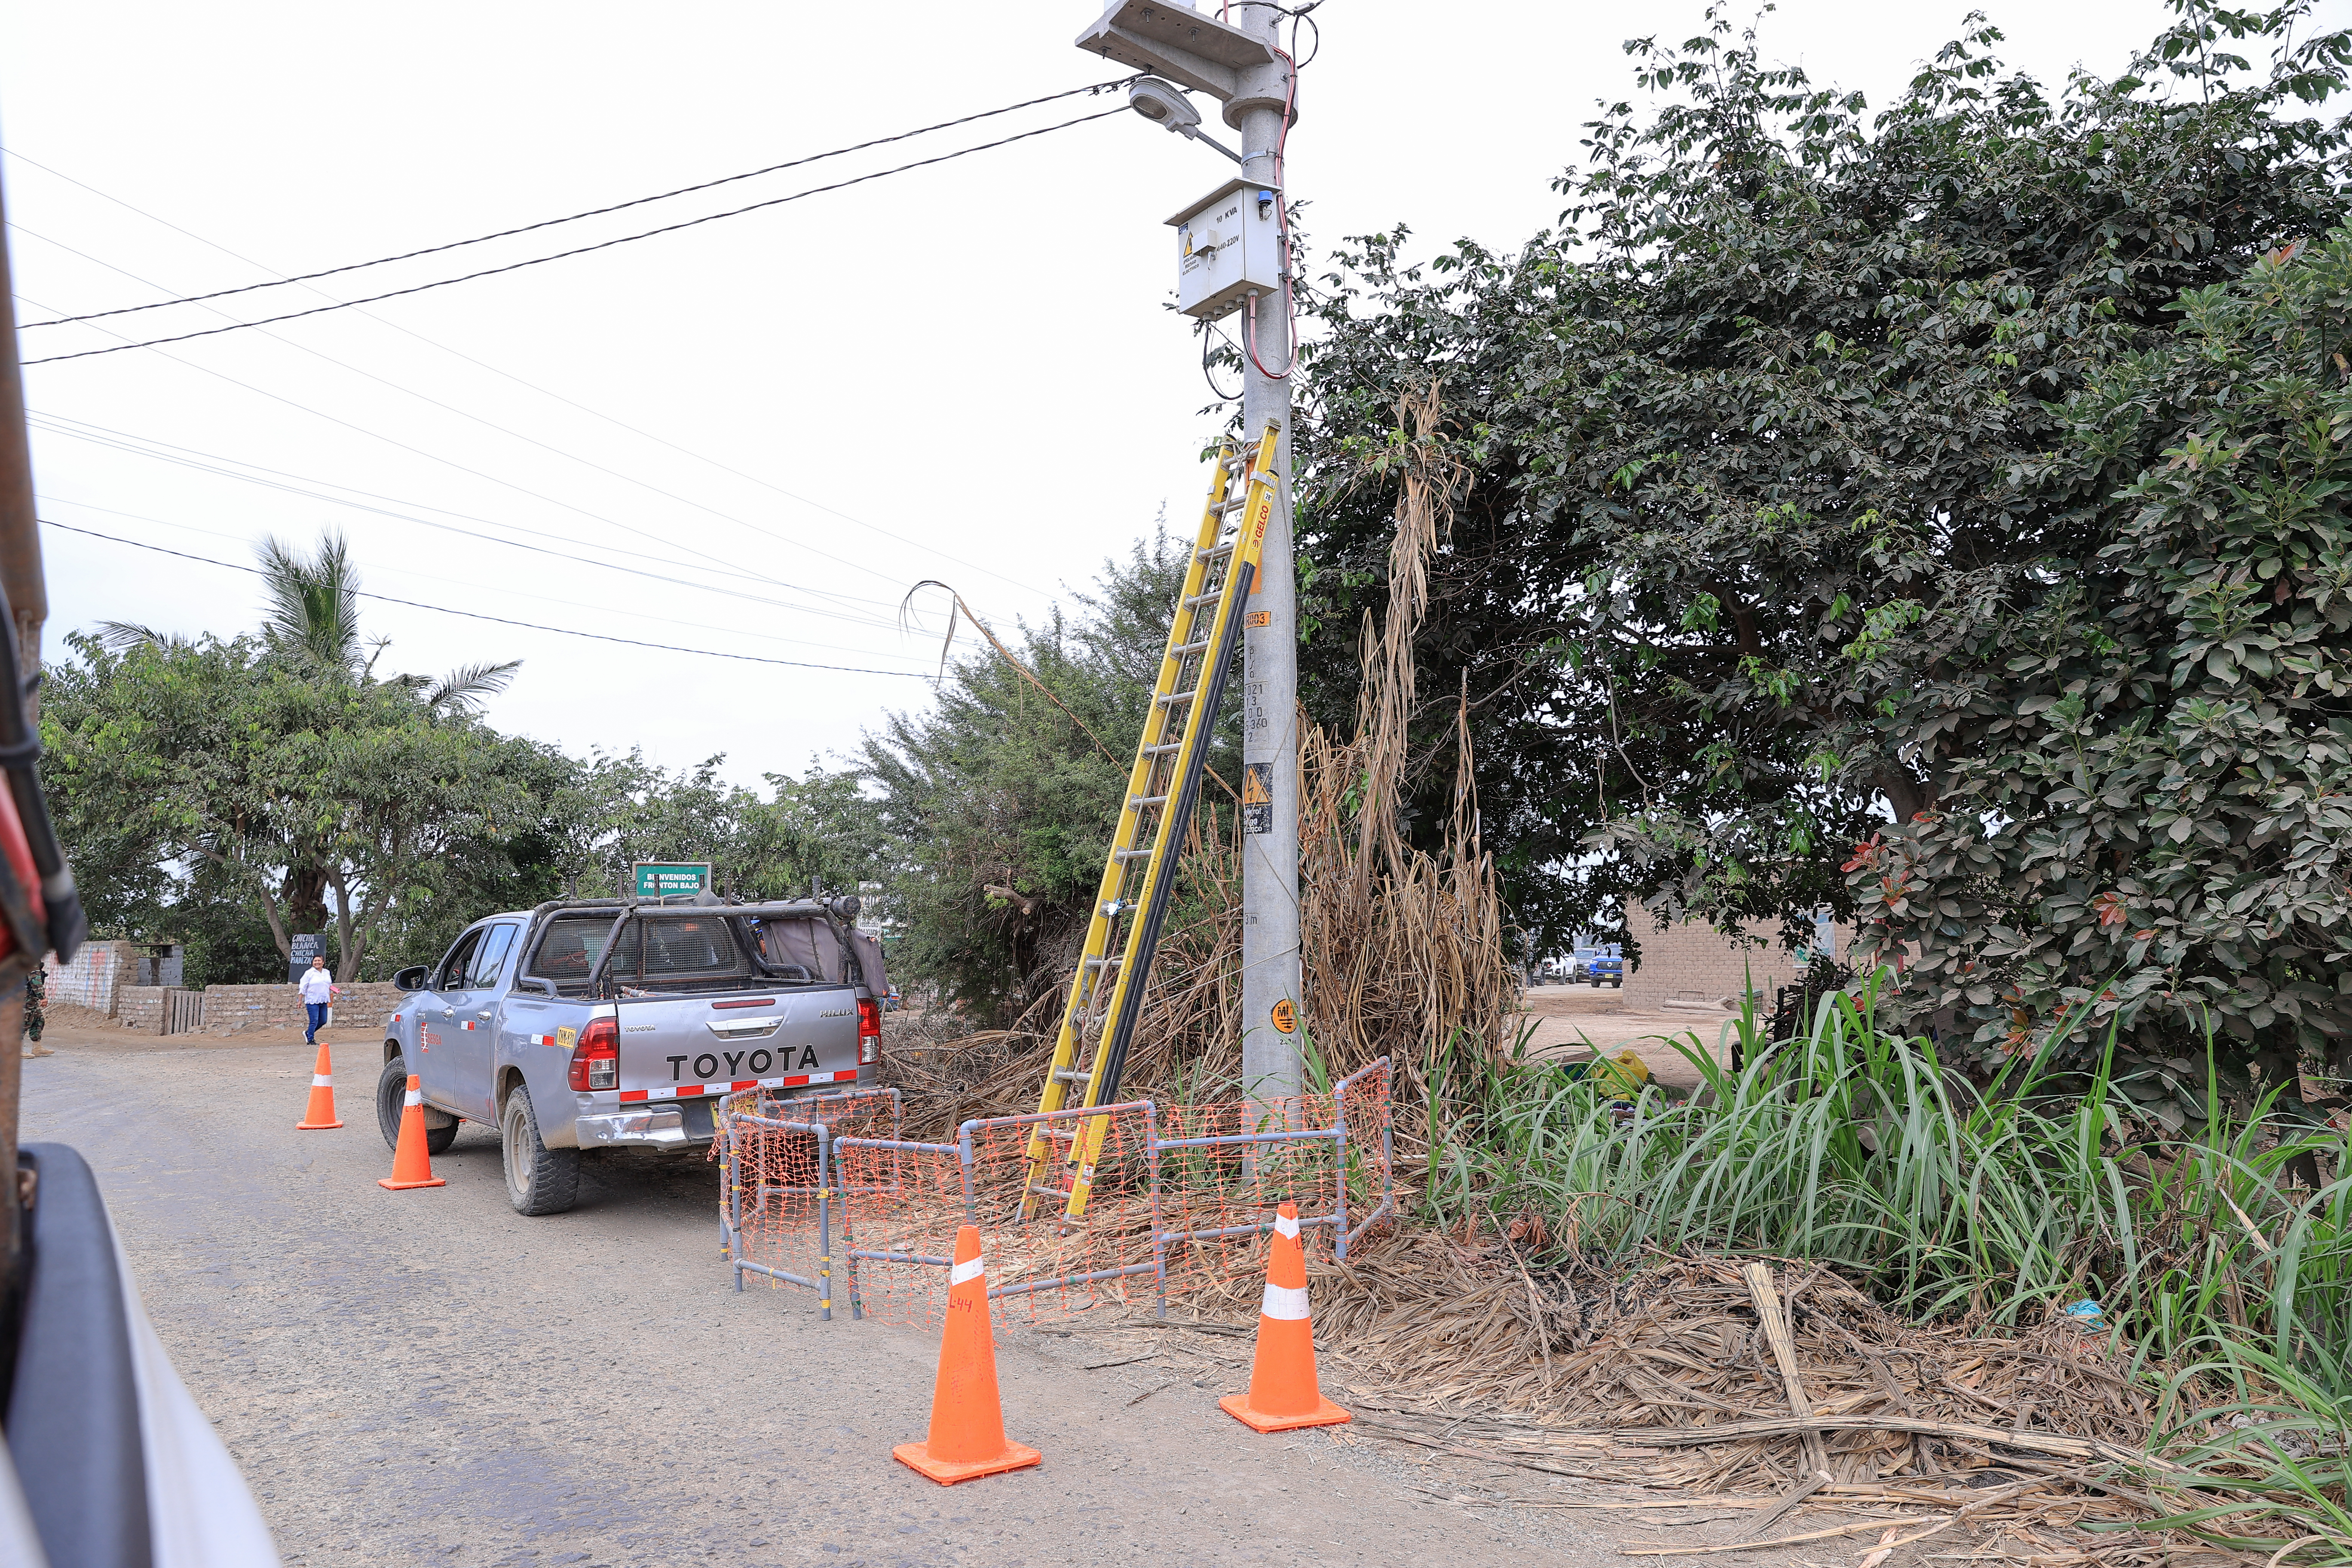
1107, 991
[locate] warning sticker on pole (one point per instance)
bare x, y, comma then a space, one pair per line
1286, 1016
1257, 797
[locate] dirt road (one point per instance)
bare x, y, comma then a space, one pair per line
426, 1377
1572, 1021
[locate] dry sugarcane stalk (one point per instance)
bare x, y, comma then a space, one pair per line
1784, 1353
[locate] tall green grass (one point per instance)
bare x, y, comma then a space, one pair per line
1855, 1144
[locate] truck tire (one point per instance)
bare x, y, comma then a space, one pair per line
391, 1097
1596, 982
540, 1179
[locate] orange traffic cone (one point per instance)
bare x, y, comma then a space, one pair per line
1282, 1392
410, 1165
967, 1436
321, 1115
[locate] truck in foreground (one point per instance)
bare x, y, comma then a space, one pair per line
617, 1025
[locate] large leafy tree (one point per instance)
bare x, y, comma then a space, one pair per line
2151, 819
1769, 422
311, 629
217, 756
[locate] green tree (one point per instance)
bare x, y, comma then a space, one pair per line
2152, 822
619, 810
1758, 431
311, 627
1003, 797
217, 755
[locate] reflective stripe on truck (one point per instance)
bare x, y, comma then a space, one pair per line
695, 1091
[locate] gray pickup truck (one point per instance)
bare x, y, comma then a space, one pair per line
617, 1025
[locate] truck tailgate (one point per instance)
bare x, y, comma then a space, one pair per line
678, 1047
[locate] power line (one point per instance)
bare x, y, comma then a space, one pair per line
633, 613
518, 381
499, 620
516, 435
570, 556
595, 212
586, 249
479, 474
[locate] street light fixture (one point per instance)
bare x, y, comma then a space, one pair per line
1168, 108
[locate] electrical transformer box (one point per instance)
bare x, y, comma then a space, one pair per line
1228, 246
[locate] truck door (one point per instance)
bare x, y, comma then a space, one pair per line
437, 1033
474, 1032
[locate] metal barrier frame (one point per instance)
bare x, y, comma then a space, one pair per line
967, 1161
731, 1215
1342, 1234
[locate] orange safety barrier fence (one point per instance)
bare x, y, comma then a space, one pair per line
778, 1186
1179, 1196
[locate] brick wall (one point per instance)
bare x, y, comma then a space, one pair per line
232, 1009
140, 1007
1693, 962
95, 977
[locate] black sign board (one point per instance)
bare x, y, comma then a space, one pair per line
307, 946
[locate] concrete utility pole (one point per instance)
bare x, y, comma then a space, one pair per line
1235, 61
1271, 982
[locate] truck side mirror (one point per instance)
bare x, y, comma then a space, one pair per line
410, 979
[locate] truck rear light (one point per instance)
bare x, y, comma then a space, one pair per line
869, 1031
596, 1059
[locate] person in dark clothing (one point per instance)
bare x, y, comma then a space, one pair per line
36, 990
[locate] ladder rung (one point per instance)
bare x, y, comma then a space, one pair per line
1044, 1190
1214, 550
1204, 598
1177, 697
1185, 647
1104, 963
1131, 854
1071, 1075
1138, 802
1163, 748
1233, 505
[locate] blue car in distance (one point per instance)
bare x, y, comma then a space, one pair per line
1607, 966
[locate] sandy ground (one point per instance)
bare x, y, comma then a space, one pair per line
427, 1378
1571, 1022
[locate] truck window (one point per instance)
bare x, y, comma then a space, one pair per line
677, 949
490, 957
570, 950
451, 975
669, 951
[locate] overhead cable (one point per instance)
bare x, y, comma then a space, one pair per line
633, 613
499, 620
508, 374
585, 250
593, 212
669, 542
299, 347
570, 554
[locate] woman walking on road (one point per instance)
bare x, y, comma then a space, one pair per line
317, 988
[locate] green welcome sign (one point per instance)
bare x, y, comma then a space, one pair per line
656, 879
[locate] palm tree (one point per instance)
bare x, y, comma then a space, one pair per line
124, 635
314, 612
314, 620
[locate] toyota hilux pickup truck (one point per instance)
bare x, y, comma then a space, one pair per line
617, 1024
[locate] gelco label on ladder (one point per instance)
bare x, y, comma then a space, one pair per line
1257, 797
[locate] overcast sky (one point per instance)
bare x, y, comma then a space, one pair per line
765, 430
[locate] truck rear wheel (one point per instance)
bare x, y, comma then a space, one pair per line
391, 1096
540, 1179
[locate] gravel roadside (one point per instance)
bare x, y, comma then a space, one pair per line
428, 1377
